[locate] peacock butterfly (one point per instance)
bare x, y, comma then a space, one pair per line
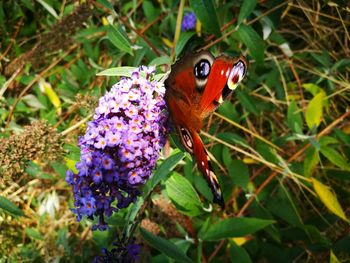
197, 84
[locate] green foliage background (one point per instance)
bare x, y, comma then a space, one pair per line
280, 145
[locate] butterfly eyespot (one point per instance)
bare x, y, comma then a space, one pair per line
202, 69
186, 139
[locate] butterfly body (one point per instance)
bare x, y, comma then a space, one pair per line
197, 84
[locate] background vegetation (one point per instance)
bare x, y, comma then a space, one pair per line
281, 144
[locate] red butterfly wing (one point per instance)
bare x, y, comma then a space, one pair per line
204, 165
225, 73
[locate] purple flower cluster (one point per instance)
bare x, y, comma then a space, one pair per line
120, 253
120, 147
188, 22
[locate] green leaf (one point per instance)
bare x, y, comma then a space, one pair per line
345, 138
164, 246
328, 198
247, 102
327, 140
118, 71
238, 254
183, 195
202, 187
206, 13
267, 152
324, 58
151, 12
8, 206
235, 227
49, 8
284, 206
315, 235
35, 170
228, 110
33, 102
60, 168
261, 212
311, 161
334, 157
253, 41
226, 156
239, 172
119, 39
232, 138
246, 8
184, 38
314, 110
163, 171
294, 118
33, 233
106, 4
162, 60
133, 212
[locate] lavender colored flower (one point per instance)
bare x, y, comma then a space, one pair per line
188, 22
120, 147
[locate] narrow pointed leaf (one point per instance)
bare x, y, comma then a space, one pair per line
49, 8
245, 10
184, 38
183, 195
333, 258
294, 118
8, 206
235, 227
33, 102
51, 94
163, 171
206, 13
328, 198
238, 254
119, 39
334, 157
253, 41
314, 110
118, 71
165, 246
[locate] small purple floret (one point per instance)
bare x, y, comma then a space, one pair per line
188, 22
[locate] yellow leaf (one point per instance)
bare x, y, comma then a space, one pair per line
51, 94
240, 240
249, 160
314, 110
328, 198
346, 129
333, 258
250, 187
199, 28
71, 165
104, 21
312, 88
167, 42
295, 97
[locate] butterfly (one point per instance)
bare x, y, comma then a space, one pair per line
197, 84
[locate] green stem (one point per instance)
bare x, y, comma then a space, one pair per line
135, 218
178, 27
199, 251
